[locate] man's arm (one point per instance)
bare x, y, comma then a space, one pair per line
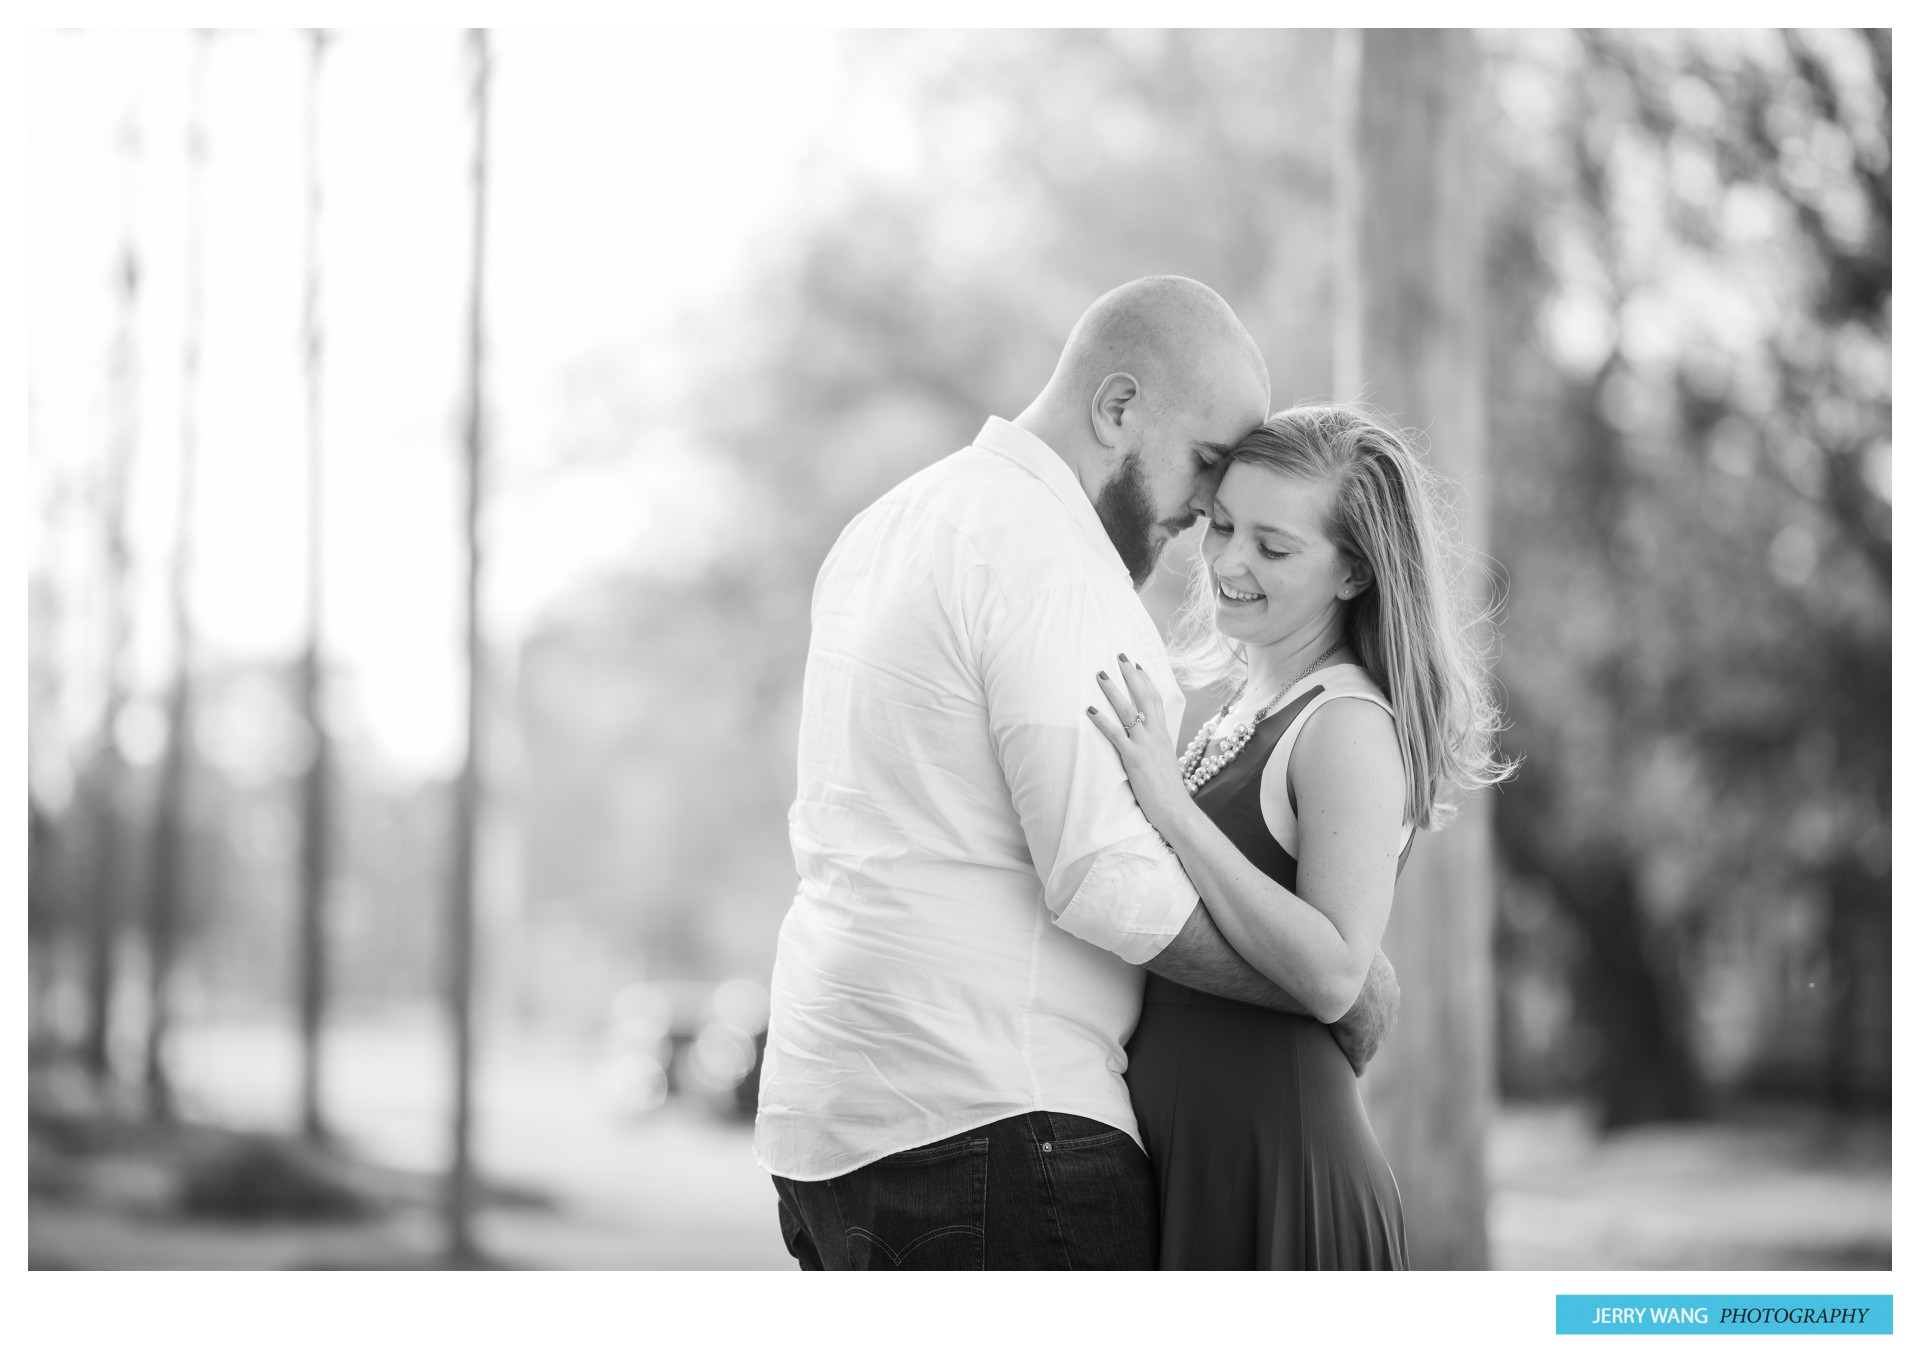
1200, 958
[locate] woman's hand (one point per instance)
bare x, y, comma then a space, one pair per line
1146, 749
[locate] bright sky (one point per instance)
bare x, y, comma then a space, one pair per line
633, 177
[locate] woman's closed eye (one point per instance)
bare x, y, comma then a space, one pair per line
1224, 528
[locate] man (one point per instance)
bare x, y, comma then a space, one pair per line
978, 889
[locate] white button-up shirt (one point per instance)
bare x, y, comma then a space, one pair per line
977, 883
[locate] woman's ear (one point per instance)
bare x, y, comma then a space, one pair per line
1117, 399
1359, 578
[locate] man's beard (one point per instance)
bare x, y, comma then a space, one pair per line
1127, 513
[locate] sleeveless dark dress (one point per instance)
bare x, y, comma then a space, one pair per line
1260, 1145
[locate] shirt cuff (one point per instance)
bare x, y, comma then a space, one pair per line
1133, 901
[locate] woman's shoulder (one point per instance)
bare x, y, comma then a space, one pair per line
1349, 734
1348, 682
1342, 751
1350, 722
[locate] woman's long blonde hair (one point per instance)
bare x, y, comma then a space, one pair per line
1415, 630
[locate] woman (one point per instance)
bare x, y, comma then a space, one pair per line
1326, 584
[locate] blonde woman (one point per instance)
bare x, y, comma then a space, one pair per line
1326, 585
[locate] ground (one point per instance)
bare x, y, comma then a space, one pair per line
1764, 1187
571, 1185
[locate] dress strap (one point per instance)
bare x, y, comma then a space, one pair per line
1345, 681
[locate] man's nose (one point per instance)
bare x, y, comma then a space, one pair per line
1201, 502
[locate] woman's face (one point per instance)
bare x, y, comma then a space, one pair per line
1275, 572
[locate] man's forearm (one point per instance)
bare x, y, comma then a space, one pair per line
1200, 958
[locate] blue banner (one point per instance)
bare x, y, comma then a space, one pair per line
1721, 1315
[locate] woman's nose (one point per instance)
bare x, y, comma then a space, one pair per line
1232, 558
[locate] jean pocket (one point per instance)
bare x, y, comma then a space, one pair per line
922, 1210
1081, 1132
1101, 1189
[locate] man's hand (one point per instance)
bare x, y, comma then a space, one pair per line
1363, 1027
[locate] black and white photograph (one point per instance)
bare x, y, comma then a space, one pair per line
741, 649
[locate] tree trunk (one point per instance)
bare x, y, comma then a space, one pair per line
315, 819
1629, 983
1407, 338
1859, 1058
166, 880
44, 904
1626, 979
107, 788
461, 1246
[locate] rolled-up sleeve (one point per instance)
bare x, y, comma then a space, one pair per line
1132, 901
1108, 877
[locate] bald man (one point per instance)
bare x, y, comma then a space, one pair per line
979, 892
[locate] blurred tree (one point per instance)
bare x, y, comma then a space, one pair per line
315, 817
52, 925
106, 794
44, 927
1692, 274
166, 879
458, 1208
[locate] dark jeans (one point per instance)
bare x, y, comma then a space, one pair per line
1044, 1191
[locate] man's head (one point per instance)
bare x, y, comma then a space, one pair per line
1158, 380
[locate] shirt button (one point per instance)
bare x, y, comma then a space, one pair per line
1046, 1146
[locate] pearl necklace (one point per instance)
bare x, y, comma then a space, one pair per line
1196, 767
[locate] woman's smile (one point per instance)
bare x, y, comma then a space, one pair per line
1234, 596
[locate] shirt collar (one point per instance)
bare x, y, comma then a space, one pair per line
1039, 459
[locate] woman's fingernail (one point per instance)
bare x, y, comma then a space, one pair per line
1090, 712
1104, 676
1123, 657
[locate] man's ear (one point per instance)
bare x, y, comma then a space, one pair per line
1117, 398
1359, 578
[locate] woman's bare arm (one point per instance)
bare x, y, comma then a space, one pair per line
1351, 790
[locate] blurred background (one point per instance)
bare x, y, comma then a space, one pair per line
327, 972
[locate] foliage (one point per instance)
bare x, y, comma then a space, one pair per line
1691, 272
